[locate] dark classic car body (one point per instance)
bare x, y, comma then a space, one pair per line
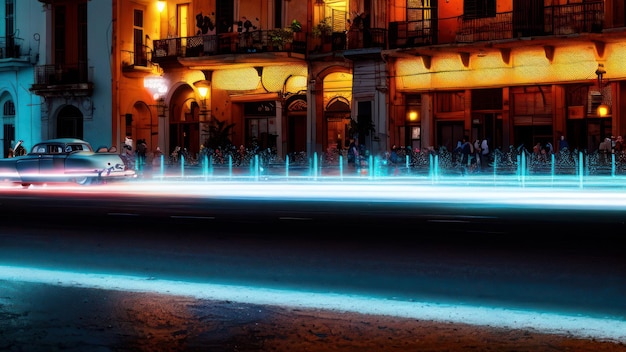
63, 160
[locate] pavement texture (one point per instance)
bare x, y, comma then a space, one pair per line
58, 318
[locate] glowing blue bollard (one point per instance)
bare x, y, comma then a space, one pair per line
315, 166
552, 168
612, 165
287, 166
162, 166
182, 166
522, 167
580, 169
230, 166
205, 167
406, 163
341, 167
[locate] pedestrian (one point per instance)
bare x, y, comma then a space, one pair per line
563, 145
467, 150
484, 153
156, 159
141, 151
353, 152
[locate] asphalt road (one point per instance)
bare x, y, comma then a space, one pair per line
552, 261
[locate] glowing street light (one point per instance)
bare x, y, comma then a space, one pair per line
603, 109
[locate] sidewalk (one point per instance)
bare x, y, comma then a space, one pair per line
40, 317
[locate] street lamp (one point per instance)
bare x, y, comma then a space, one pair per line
603, 109
203, 89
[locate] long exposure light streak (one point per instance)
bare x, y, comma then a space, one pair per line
595, 197
543, 321
595, 194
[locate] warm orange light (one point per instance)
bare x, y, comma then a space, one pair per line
203, 91
203, 88
160, 5
413, 116
603, 110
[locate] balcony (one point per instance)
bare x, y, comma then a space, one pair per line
13, 54
137, 63
409, 34
168, 51
10, 47
587, 17
62, 80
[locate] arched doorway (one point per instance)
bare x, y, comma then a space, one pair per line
69, 123
337, 117
144, 125
296, 115
184, 127
8, 124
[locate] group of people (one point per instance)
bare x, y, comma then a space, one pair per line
357, 153
474, 154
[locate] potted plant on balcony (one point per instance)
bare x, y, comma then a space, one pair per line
323, 30
281, 38
296, 28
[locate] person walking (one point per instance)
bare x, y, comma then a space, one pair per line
484, 153
563, 145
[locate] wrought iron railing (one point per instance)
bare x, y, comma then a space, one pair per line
61, 74
226, 43
407, 34
11, 47
585, 17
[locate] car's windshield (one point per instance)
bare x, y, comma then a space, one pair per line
55, 148
77, 146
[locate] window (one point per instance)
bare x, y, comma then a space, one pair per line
450, 101
8, 109
9, 27
140, 51
59, 34
479, 8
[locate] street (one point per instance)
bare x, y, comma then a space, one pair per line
452, 264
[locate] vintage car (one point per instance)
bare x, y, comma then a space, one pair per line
63, 160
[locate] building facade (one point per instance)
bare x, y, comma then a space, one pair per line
309, 76
21, 47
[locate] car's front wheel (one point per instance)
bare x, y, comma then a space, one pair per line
84, 180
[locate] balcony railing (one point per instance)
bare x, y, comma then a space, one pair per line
10, 47
259, 41
411, 33
225, 43
66, 79
586, 17
132, 60
566, 19
61, 74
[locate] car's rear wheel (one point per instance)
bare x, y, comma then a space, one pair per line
84, 181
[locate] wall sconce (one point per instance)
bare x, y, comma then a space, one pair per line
412, 116
161, 5
600, 72
203, 90
603, 109
161, 107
